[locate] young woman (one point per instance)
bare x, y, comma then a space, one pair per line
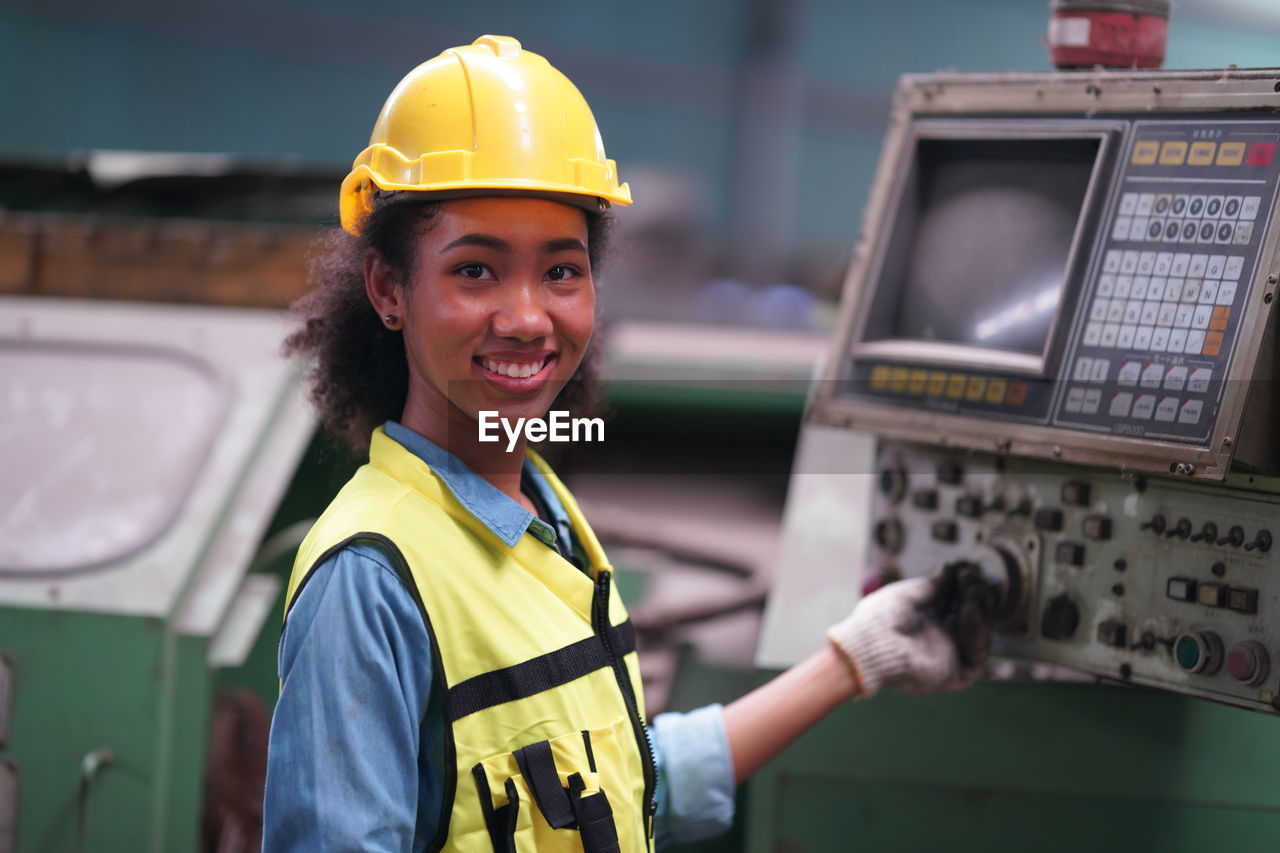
457, 670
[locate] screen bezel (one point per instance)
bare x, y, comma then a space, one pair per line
944, 354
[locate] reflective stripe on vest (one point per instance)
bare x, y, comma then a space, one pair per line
546, 746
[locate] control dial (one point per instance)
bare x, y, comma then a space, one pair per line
1060, 619
1199, 651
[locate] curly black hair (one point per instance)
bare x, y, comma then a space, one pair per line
359, 374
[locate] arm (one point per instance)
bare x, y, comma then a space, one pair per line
766, 720
922, 635
345, 767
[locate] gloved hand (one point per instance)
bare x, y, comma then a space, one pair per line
922, 635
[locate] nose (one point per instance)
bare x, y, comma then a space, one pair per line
522, 314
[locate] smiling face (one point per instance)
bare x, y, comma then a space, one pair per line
499, 311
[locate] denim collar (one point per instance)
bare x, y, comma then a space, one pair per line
503, 516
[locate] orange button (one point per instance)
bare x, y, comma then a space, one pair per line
1173, 153
955, 385
976, 388
1212, 343
1017, 393
1144, 152
917, 381
1231, 154
1202, 153
937, 384
1218, 320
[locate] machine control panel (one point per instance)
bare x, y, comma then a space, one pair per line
1144, 580
1156, 325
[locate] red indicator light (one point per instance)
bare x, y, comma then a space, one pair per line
1260, 154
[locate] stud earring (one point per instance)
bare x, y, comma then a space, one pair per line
390, 320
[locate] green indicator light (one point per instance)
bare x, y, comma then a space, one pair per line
1187, 651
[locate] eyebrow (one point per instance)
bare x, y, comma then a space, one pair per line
488, 241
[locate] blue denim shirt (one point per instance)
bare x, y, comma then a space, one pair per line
356, 757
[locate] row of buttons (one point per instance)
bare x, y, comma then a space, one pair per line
1179, 315
1207, 291
1133, 373
1153, 338
1195, 206
1144, 407
1177, 264
1140, 229
1175, 152
1213, 594
956, 386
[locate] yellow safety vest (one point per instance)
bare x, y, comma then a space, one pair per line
546, 746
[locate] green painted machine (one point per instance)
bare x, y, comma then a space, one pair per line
147, 449
1055, 363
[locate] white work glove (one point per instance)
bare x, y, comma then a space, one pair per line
893, 637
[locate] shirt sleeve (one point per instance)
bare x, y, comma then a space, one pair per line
695, 775
344, 766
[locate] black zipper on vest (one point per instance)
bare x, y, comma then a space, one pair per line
600, 622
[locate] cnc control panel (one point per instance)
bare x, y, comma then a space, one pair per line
1140, 579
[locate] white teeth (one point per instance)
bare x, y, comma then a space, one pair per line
512, 369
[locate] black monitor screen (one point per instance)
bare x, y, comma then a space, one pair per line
978, 251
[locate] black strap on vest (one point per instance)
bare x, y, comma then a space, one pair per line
501, 822
595, 818
539, 770
539, 674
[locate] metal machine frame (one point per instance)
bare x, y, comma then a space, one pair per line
1096, 94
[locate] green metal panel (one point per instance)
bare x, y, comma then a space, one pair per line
84, 682
1025, 766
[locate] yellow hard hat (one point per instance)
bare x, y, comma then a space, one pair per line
487, 116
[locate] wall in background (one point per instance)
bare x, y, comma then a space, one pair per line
773, 109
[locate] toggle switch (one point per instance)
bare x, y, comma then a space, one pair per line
1208, 533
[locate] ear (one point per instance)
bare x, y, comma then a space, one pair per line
384, 288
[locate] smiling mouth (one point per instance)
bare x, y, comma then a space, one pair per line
514, 369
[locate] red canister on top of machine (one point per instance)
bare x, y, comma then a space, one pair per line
1110, 33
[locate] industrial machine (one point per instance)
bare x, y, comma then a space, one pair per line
1054, 362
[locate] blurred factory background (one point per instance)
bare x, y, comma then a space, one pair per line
164, 168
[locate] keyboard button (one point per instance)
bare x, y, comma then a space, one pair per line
1166, 314
1244, 233
1124, 340
1138, 290
1190, 412
1092, 400
1099, 310
1129, 262
1111, 261
1084, 368
1150, 310
1120, 404
1152, 376
1146, 263
1208, 292
1092, 334
1160, 339
1176, 378
1249, 207
1200, 319
1167, 409
1233, 268
1075, 400
1195, 342
1198, 383
1120, 230
1226, 293
1106, 285
1124, 286
1129, 372
1180, 263
1191, 290
1144, 406
1142, 338
1177, 340
1213, 269
1145, 202
1182, 317
1128, 202
1110, 331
